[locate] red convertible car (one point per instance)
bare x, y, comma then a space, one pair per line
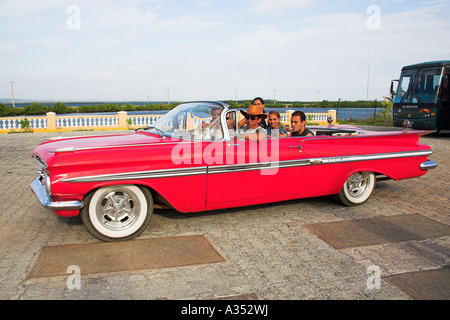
194, 159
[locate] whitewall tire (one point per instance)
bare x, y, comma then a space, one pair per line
119, 212
357, 189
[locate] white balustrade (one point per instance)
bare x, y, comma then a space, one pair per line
52, 122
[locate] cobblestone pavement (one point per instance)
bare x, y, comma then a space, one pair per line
268, 252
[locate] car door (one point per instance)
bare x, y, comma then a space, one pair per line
257, 172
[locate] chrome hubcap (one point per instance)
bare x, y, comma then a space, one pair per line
357, 184
118, 210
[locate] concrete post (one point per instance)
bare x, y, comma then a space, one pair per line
51, 121
122, 119
288, 116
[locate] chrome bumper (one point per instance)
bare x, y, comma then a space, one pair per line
47, 202
428, 165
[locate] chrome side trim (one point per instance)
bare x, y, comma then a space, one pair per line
69, 149
428, 165
256, 166
47, 202
165, 173
178, 172
369, 157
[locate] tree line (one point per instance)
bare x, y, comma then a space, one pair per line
61, 108
313, 104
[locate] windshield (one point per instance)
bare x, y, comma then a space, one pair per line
194, 121
419, 86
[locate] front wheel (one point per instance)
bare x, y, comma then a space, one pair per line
357, 189
117, 213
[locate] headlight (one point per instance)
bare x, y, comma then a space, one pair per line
40, 161
47, 184
44, 178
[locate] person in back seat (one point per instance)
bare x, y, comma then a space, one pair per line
275, 128
298, 125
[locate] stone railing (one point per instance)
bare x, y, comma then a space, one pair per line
311, 118
51, 122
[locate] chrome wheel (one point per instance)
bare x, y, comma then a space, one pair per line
117, 212
357, 189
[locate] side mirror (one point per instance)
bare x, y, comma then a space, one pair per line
446, 80
392, 90
232, 125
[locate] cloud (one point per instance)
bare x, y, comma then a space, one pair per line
205, 49
203, 3
313, 37
188, 22
265, 6
142, 16
22, 8
330, 52
7, 47
48, 42
126, 18
114, 14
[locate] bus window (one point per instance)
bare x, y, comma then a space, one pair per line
445, 87
446, 83
428, 84
406, 81
419, 86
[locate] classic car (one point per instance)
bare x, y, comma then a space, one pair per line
194, 159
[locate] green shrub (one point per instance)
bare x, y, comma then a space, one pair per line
35, 108
24, 123
4, 110
60, 108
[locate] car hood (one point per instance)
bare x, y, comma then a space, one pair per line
56, 146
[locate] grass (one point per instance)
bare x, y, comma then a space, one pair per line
26, 130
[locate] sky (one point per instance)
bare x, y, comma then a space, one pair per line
288, 50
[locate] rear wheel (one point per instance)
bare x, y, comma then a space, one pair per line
116, 213
357, 189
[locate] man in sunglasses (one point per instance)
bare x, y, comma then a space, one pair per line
259, 102
252, 130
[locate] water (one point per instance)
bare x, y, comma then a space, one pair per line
342, 113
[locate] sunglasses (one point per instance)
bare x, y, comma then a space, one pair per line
251, 117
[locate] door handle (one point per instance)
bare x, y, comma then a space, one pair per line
298, 147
